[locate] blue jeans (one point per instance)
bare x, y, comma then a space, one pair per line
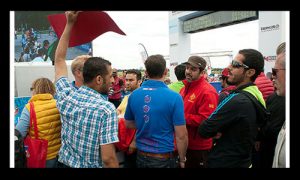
154, 162
61, 165
51, 163
130, 160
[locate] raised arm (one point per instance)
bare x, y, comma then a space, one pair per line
61, 51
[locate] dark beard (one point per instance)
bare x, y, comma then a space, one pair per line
237, 81
103, 88
229, 83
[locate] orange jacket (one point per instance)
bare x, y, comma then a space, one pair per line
200, 100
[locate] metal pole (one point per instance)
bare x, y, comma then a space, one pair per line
144, 49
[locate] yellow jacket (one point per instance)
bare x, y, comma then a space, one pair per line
123, 105
48, 122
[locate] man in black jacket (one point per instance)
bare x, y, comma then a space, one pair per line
268, 137
235, 120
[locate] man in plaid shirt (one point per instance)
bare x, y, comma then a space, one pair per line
89, 122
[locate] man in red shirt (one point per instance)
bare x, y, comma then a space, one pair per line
117, 87
200, 100
227, 87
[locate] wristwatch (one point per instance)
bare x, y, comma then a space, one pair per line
182, 161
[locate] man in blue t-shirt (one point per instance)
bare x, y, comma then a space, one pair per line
157, 112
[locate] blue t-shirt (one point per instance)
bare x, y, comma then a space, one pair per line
156, 110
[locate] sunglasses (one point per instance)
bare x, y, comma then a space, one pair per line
275, 71
236, 64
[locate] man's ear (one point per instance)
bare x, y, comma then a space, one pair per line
139, 82
250, 72
146, 74
166, 72
99, 79
78, 73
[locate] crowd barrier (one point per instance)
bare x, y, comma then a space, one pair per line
20, 102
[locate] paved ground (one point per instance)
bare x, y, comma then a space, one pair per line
71, 54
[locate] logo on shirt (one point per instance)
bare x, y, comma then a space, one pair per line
146, 118
146, 109
192, 98
211, 106
147, 99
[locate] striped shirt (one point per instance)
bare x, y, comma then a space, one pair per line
88, 121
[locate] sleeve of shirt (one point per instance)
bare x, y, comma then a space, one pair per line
178, 113
63, 89
23, 123
221, 119
128, 112
109, 126
205, 106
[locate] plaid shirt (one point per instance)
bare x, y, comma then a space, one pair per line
88, 121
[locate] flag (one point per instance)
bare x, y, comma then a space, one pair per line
89, 25
51, 51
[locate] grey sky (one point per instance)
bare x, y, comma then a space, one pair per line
151, 29
148, 28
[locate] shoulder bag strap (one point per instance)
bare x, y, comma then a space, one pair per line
33, 120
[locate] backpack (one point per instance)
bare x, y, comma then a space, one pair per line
262, 114
20, 154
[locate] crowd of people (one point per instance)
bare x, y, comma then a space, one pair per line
185, 124
32, 49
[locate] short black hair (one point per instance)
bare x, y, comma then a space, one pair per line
136, 72
180, 72
45, 42
41, 52
93, 67
155, 66
255, 60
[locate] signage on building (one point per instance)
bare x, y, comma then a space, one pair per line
269, 58
218, 19
270, 28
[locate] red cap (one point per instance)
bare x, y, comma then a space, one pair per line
225, 72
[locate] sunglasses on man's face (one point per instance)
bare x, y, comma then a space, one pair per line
275, 71
236, 64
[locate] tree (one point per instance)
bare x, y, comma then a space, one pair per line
33, 19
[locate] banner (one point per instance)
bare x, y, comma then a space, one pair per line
85, 47
272, 26
20, 103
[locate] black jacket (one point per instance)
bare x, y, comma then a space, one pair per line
235, 118
276, 106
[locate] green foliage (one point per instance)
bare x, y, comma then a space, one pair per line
33, 19
216, 70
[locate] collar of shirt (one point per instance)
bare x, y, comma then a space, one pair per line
86, 90
194, 83
154, 83
73, 84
